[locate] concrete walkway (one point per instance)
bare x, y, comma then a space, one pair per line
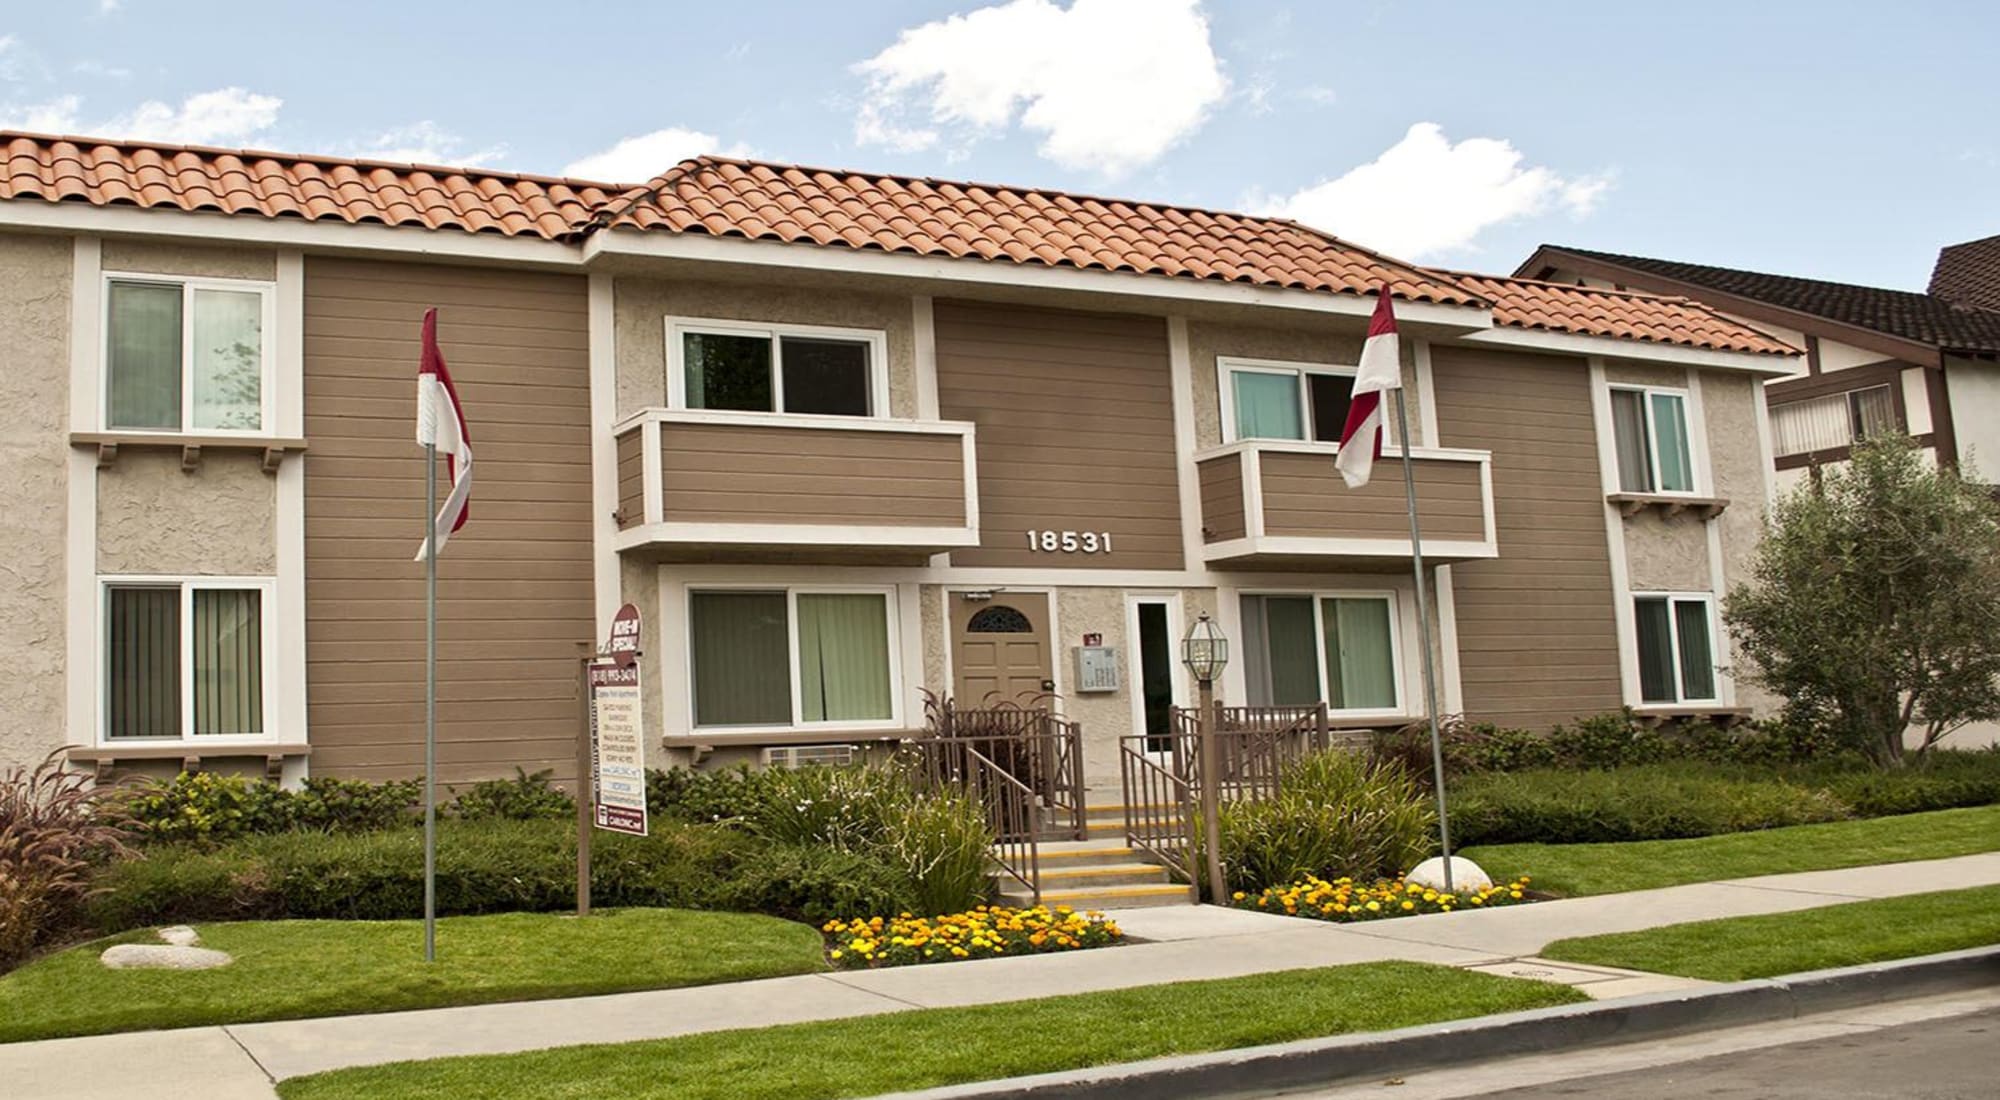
1179, 944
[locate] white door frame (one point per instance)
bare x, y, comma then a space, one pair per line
1134, 661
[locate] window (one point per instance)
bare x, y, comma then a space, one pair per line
1302, 649
1676, 649
184, 658
185, 354
1831, 422
1650, 430
1275, 401
784, 658
825, 372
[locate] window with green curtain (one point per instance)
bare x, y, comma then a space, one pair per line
1696, 648
1628, 431
725, 371
144, 346
143, 665
1360, 655
228, 348
1290, 657
1656, 650
1670, 441
843, 656
1267, 405
740, 643
228, 661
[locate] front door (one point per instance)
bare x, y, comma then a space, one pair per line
1000, 650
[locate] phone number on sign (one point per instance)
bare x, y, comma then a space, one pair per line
1070, 542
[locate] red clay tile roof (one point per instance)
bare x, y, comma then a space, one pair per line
1626, 314
275, 185
723, 197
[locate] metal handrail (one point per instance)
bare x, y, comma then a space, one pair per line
1010, 812
1159, 804
1038, 748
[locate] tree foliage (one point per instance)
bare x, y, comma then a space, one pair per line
1875, 601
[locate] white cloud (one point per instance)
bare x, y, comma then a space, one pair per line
18, 62
57, 116
1109, 84
1425, 195
226, 116
100, 69
425, 142
637, 159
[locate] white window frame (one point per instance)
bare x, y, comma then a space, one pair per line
266, 588
891, 639
1226, 367
1396, 662
1697, 476
877, 341
1674, 599
267, 352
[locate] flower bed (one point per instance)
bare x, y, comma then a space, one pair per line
1344, 900
983, 933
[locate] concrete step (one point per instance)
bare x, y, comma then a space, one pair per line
1103, 897
1103, 847
1101, 874
1096, 811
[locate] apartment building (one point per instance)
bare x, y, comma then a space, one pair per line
843, 437
1927, 364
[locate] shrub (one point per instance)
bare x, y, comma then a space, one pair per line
1941, 779
982, 933
814, 883
1337, 814
352, 805
522, 798
482, 867
683, 794
1613, 740
1344, 900
50, 831
1640, 802
204, 806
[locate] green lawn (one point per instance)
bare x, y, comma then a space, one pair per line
1576, 869
293, 969
932, 1047
1813, 939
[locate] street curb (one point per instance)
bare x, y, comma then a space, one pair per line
1321, 1062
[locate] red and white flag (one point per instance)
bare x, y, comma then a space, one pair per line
1381, 370
441, 421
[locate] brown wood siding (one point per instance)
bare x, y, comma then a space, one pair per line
631, 478
514, 586
726, 473
1076, 431
1221, 482
1537, 640
1305, 498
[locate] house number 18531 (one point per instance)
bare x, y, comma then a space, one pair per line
1070, 542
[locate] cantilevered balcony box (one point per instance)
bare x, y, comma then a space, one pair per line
1275, 504
713, 486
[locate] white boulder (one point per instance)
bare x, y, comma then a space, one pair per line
1466, 876
180, 935
148, 956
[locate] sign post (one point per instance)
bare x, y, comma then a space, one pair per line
611, 744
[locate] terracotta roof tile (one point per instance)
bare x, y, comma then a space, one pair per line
1625, 314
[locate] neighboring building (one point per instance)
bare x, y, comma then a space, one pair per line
1925, 364
842, 436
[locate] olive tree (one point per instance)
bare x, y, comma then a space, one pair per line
1875, 601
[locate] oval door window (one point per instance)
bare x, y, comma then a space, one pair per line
999, 619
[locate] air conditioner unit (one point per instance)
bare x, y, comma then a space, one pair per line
808, 756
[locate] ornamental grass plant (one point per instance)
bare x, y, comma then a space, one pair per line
51, 832
1337, 814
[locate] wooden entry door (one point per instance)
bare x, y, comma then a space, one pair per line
1000, 649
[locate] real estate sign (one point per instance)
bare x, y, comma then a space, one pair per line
618, 748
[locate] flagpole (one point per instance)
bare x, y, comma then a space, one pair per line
1424, 633
430, 700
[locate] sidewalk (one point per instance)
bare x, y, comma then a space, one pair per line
1180, 944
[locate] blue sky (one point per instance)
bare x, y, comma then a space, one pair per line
1835, 140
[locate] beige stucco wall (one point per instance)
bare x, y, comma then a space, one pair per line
1106, 716
159, 258
1208, 341
930, 614
215, 520
1731, 408
643, 305
639, 585
34, 452
1666, 554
